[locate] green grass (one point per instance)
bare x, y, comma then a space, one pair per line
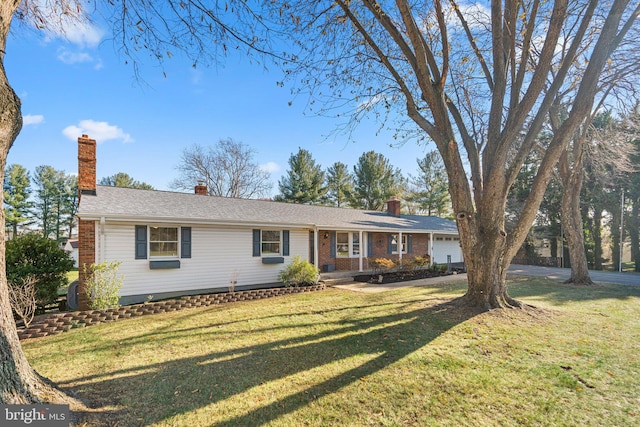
341, 358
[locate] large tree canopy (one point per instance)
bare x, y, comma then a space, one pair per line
479, 80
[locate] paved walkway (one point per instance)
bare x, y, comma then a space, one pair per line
372, 288
525, 270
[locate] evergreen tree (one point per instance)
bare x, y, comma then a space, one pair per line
56, 201
376, 181
304, 182
339, 185
431, 186
17, 189
123, 180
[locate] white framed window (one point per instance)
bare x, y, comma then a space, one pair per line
347, 244
342, 245
355, 244
394, 243
271, 242
164, 242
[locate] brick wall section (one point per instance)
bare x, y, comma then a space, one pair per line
420, 246
86, 164
86, 229
86, 257
62, 322
393, 206
201, 189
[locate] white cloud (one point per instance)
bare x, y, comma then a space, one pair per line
32, 119
83, 34
100, 131
69, 57
271, 167
74, 26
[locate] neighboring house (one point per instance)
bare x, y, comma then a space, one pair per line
72, 247
173, 244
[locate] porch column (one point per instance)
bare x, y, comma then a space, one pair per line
431, 249
400, 248
362, 246
316, 242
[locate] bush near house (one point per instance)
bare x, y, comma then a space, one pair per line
33, 255
299, 273
103, 285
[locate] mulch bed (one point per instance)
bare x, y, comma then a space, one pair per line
399, 276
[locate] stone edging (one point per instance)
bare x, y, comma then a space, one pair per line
62, 322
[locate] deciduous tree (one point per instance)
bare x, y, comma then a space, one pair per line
478, 80
228, 169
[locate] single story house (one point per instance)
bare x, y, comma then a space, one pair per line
172, 244
72, 248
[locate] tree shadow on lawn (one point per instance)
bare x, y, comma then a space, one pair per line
560, 293
153, 393
168, 330
555, 291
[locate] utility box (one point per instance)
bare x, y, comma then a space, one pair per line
328, 268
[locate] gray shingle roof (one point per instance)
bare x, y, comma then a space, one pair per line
127, 204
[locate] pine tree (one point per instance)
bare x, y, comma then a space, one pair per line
431, 187
123, 180
339, 185
304, 182
376, 181
17, 189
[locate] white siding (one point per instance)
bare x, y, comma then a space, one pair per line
443, 247
219, 255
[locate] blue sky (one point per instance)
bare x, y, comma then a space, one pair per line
81, 84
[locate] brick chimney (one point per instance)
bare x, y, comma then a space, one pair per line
86, 165
393, 206
86, 229
201, 189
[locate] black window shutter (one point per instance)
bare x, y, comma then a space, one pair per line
333, 244
369, 244
185, 242
389, 243
410, 244
285, 242
256, 242
141, 242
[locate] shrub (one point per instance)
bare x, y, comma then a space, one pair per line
416, 263
103, 285
299, 273
35, 256
22, 297
381, 265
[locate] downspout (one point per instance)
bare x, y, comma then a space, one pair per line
101, 238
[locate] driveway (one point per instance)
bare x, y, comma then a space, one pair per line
628, 278
525, 270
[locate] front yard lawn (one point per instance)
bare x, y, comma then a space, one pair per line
339, 358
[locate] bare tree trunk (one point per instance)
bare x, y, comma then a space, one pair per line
597, 237
634, 232
19, 383
571, 215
